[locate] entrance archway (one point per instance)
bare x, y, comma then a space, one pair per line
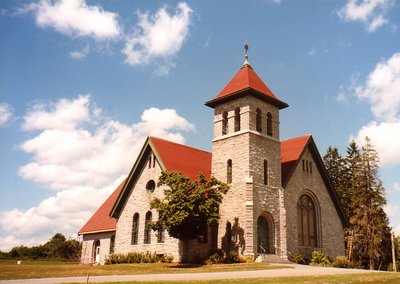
265, 235
96, 251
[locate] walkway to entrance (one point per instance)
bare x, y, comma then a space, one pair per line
294, 270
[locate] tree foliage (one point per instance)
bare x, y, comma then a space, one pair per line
188, 205
58, 247
356, 180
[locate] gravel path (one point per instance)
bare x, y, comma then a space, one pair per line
295, 270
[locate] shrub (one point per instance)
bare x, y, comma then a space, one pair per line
343, 262
138, 257
298, 258
216, 258
234, 257
319, 259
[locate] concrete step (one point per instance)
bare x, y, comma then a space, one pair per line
271, 258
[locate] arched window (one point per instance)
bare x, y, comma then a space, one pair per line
265, 172
150, 185
225, 123
229, 171
269, 124
135, 229
147, 228
306, 222
237, 119
228, 233
112, 243
160, 234
258, 120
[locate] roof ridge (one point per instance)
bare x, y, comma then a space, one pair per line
176, 143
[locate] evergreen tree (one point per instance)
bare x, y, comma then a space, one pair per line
355, 178
369, 221
335, 166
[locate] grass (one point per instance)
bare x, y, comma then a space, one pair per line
42, 269
387, 278
39, 269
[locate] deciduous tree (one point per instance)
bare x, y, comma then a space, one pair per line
188, 205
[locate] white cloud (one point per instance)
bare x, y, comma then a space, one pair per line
391, 210
72, 150
63, 115
6, 113
382, 89
158, 36
370, 12
80, 54
396, 186
75, 18
65, 212
385, 136
81, 160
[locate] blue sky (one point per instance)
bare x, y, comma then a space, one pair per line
82, 83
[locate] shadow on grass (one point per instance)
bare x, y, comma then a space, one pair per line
186, 265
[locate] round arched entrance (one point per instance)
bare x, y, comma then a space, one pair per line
265, 235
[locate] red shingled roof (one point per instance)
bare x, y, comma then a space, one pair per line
187, 160
291, 150
190, 161
101, 221
246, 79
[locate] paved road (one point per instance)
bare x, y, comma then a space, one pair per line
295, 270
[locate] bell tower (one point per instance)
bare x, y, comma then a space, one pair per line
246, 154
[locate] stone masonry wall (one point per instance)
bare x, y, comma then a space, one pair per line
139, 202
329, 226
88, 254
248, 197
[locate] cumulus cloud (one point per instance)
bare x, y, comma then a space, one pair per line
381, 90
370, 12
65, 212
158, 36
6, 113
82, 156
385, 136
62, 115
75, 18
76, 148
80, 54
396, 186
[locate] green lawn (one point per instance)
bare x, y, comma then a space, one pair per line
378, 278
40, 269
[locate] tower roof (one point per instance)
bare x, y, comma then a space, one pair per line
246, 82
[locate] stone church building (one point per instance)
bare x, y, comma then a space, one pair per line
280, 200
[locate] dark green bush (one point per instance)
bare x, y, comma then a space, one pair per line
319, 259
343, 262
298, 258
138, 257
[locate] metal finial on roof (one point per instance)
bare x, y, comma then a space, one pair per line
246, 47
